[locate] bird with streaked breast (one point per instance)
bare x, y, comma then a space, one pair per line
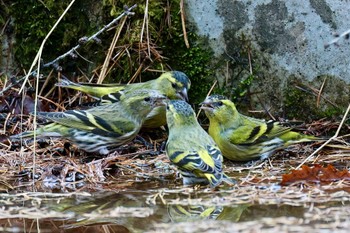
103, 128
191, 149
172, 84
244, 138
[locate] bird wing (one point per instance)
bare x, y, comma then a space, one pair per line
111, 97
204, 162
277, 130
87, 121
254, 131
114, 94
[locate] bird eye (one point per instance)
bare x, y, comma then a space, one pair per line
174, 85
147, 99
167, 107
220, 103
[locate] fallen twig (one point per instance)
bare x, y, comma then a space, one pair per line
183, 23
209, 92
345, 34
72, 51
109, 54
335, 136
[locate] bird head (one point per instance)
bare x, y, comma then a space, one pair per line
179, 113
175, 85
218, 106
144, 101
212, 102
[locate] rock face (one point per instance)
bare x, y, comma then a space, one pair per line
287, 41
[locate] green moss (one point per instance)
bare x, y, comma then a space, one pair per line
34, 19
330, 112
195, 62
296, 104
166, 36
4, 15
240, 58
301, 104
137, 53
4, 10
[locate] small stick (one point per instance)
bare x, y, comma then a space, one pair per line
94, 37
138, 71
329, 140
335, 41
109, 54
145, 24
320, 93
73, 50
209, 92
183, 23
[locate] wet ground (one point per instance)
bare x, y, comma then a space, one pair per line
137, 190
147, 196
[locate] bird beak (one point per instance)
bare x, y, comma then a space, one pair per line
161, 101
183, 94
206, 105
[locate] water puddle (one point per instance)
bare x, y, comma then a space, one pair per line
152, 206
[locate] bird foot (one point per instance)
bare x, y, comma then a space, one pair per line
143, 141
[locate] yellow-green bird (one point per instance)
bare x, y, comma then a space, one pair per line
192, 213
100, 129
191, 149
172, 84
243, 138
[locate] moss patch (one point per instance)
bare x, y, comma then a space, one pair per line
301, 103
34, 19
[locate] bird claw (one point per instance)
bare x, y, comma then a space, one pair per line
255, 163
143, 141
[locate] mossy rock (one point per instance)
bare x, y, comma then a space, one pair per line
301, 98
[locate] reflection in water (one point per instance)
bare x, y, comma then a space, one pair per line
190, 213
233, 213
272, 211
128, 210
179, 213
99, 212
124, 212
55, 226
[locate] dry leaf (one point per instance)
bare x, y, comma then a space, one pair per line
316, 173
